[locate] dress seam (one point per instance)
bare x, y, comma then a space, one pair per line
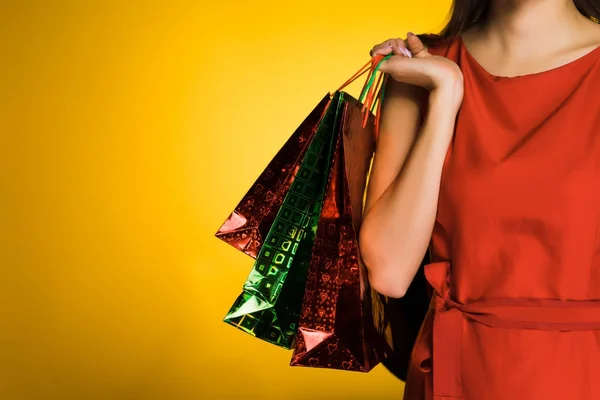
594, 252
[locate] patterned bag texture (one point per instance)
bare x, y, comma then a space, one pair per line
343, 324
308, 288
247, 226
269, 306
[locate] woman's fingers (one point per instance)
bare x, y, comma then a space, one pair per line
412, 71
400, 48
395, 46
381, 49
384, 48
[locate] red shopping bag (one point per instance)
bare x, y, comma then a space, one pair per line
247, 226
343, 324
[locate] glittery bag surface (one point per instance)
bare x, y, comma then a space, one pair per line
344, 324
247, 226
269, 306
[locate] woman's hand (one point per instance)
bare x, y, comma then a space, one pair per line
411, 63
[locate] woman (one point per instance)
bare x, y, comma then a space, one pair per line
489, 155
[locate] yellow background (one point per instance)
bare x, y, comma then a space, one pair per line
129, 131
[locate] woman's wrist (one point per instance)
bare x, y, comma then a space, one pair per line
445, 101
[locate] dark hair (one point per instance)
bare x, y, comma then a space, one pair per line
466, 14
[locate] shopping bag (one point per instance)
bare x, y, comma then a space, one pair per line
344, 324
247, 226
269, 306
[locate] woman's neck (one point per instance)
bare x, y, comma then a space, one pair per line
530, 26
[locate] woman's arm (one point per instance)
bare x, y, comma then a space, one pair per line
400, 122
403, 191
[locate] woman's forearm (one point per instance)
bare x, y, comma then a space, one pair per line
397, 229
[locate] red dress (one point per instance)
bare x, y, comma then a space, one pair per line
515, 250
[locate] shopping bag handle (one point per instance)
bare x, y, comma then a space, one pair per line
373, 90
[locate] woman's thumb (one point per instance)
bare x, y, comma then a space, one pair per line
416, 47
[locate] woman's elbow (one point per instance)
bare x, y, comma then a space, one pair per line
393, 288
384, 277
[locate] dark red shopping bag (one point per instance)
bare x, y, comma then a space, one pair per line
248, 225
343, 323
